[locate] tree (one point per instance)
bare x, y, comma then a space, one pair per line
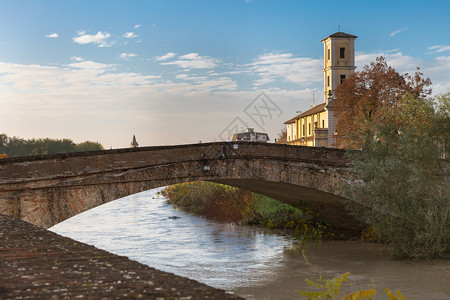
405, 184
364, 100
89, 146
14, 146
282, 136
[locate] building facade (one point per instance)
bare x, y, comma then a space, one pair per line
251, 136
316, 127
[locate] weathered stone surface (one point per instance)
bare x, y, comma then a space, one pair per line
38, 264
46, 190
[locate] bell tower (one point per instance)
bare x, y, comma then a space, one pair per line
339, 61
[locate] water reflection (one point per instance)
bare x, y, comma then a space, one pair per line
145, 228
245, 260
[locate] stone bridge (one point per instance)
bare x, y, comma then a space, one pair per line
46, 190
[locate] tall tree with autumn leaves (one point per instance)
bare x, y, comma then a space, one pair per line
367, 98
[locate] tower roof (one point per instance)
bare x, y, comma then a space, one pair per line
340, 34
134, 143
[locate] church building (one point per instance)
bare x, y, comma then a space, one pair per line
316, 127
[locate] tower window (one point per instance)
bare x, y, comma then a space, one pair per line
329, 54
342, 77
342, 52
323, 123
328, 80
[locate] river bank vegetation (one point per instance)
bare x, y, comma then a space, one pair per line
404, 138
15, 146
229, 204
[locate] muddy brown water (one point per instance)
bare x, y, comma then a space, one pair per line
250, 262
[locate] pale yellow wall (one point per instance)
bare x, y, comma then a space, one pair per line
336, 66
309, 123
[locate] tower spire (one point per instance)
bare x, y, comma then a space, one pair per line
134, 143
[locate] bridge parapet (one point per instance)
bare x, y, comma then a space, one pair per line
65, 165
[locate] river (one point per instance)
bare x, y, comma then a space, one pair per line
248, 261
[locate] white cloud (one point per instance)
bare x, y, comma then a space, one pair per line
285, 66
194, 61
77, 58
127, 56
53, 35
395, 32
400, 62
166, 56
129, 35
91, 65
100, 38
137, 26
439, 48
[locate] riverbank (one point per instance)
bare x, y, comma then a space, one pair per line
229, 204
38, 264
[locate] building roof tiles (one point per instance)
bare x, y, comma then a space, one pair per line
341, 35
316, 109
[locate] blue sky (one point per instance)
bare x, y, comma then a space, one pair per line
182, 71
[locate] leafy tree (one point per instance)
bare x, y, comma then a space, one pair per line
89, 146
405, 184
14, 146
363, 100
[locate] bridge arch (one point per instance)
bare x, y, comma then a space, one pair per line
46, 190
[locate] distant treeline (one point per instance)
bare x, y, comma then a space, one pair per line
15, 146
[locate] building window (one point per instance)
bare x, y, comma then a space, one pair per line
304, 130
328, 80
309, 128
323, 123
329, 54
342, 77
342, 52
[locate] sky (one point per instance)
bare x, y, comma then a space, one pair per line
176, 71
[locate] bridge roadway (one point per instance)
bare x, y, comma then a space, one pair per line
46, 190
38, 264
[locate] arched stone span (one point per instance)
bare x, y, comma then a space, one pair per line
45, 190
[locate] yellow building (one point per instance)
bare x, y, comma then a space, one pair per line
316, 126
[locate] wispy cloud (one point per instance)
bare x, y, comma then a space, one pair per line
77, 58
129, 35
166, 56
91, 65
285, 66
100, 38
53, 35
127, 56
194, 61
439, 48
395, 32
137, 26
